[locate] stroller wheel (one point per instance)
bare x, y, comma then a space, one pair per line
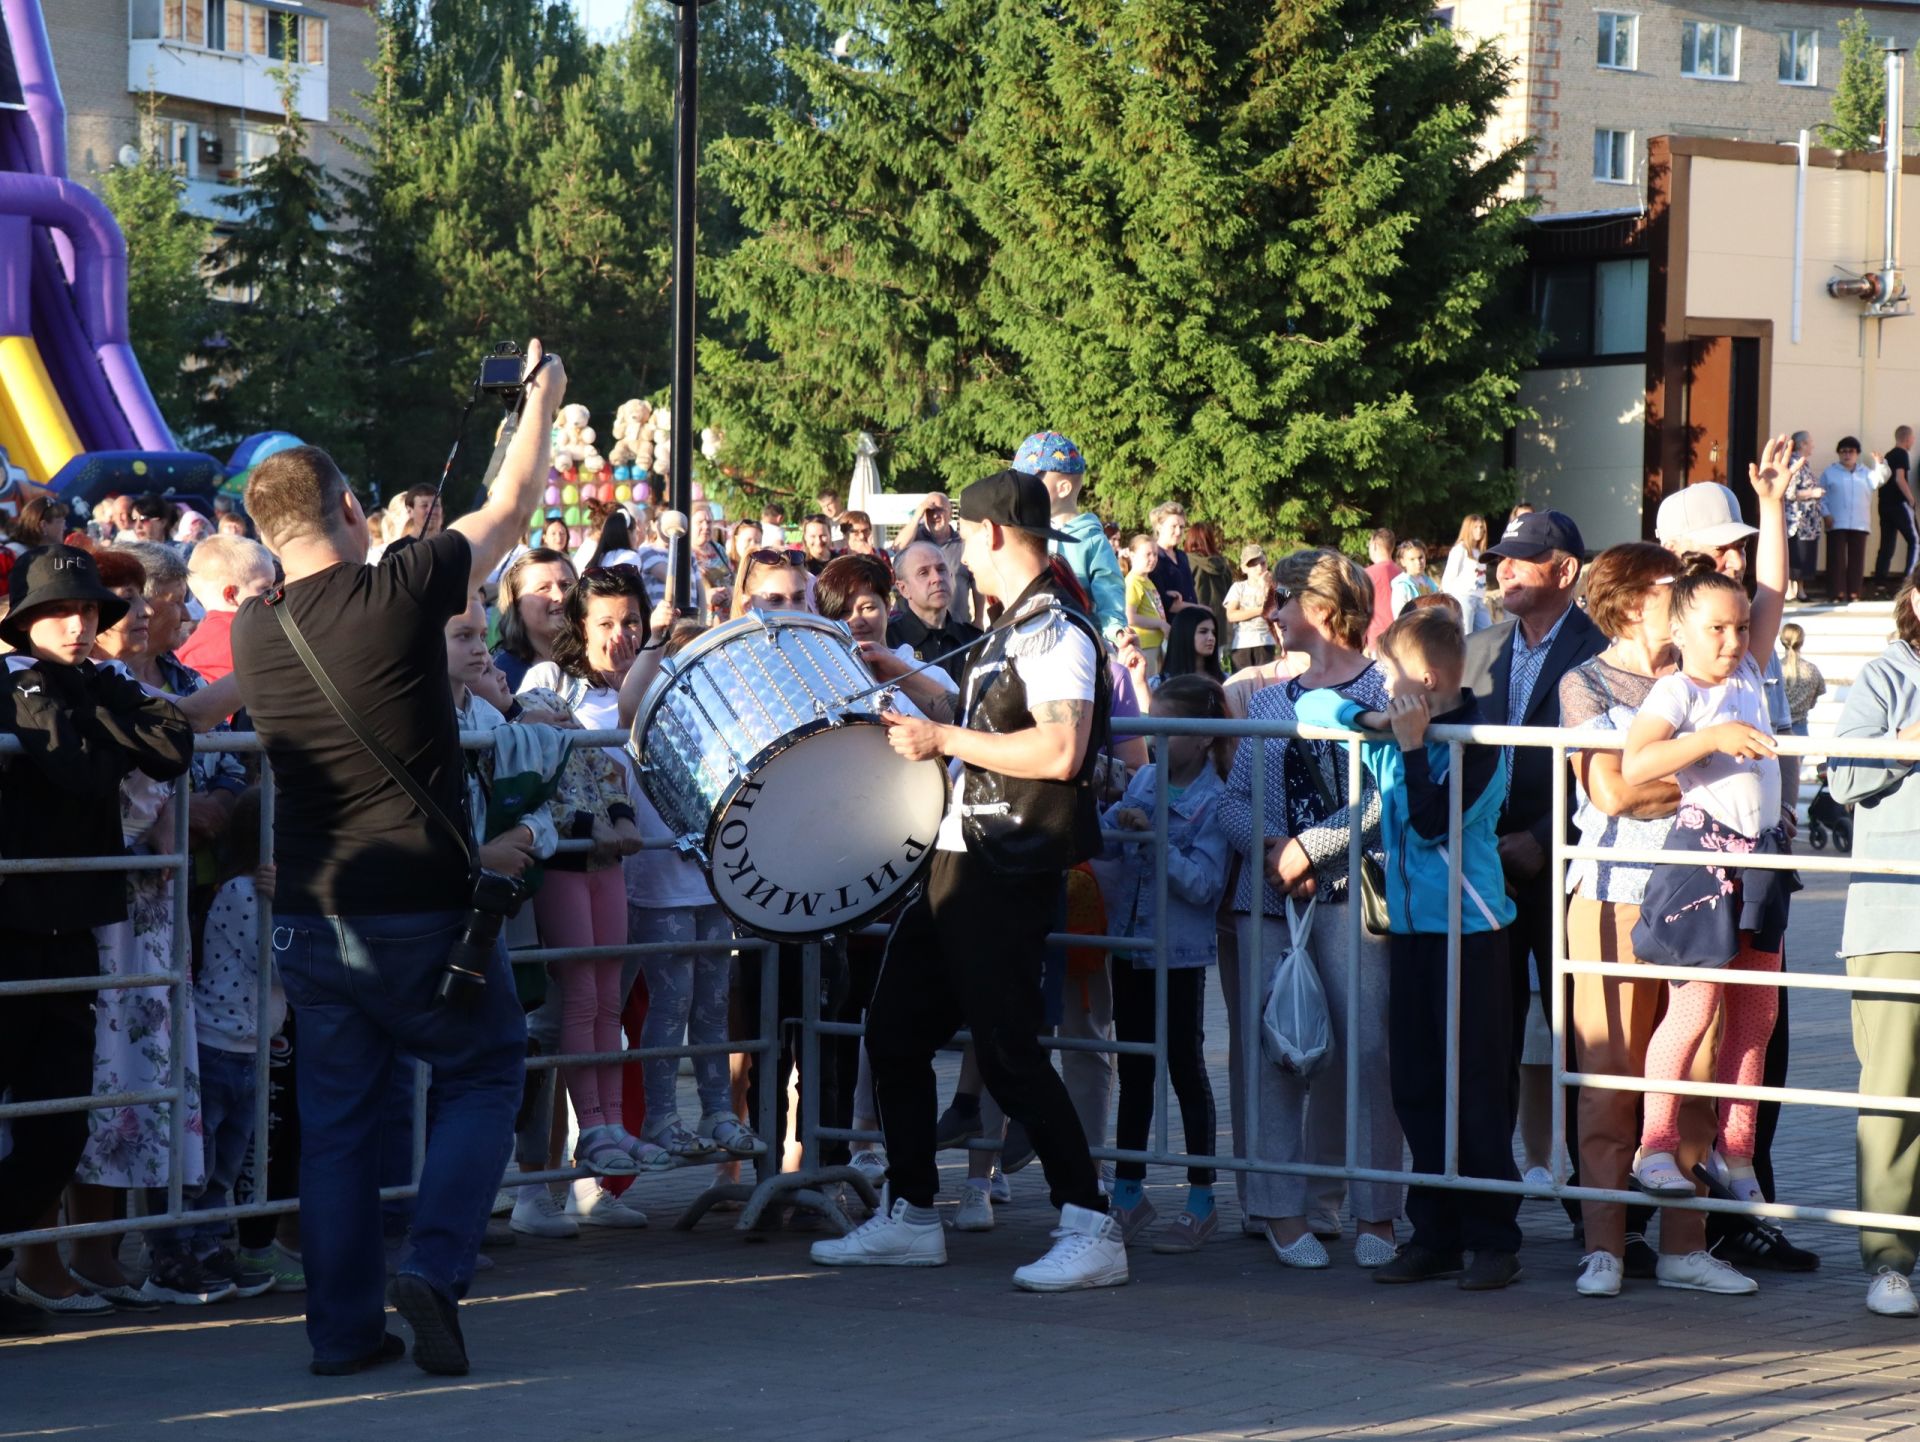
1843, 839
1816, 836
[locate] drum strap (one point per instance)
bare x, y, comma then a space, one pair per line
403, 778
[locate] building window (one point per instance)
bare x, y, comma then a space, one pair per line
183, 148
1620, 307
1709, 51
1441, 18
1619, 36
1591, 310
1613, 156
232, 25
1799, 57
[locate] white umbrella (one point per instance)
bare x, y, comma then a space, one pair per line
866, 474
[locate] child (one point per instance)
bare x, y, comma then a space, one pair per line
1062, 469
1706, 726
226, 1008
223, 571
1413, 581
1144, 611
1424, 656
1197, 855
1805, 684
83, 728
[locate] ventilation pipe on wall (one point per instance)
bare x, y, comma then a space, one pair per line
1885, 291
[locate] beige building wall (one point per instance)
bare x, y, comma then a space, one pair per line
91, 45
1562, 95
1583, 453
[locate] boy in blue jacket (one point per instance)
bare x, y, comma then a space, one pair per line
1424, 656
1088, 553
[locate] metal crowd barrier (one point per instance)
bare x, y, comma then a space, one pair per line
179, 981
1560, 742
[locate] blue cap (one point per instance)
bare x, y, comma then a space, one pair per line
1538, 532
1045, 451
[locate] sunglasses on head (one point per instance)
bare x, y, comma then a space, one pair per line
625, 570
1283, 594
767, 556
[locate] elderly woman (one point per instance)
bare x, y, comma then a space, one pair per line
1883, 918
1299, 849
533, 596
1628, 594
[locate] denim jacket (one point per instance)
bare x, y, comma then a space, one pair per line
1197, 856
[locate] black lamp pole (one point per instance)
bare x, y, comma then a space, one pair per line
686, 112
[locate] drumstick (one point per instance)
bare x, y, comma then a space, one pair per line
924, 666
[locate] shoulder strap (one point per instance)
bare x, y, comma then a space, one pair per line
391, 765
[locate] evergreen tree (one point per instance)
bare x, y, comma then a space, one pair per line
285, 358
1860, 94
169, 313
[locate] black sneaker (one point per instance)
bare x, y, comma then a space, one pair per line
957, 1126
224, 1266
438, 1346
391, 1349
178, 1278
1490, 1271
1754, 1243
1641, 1261
1017, 1150
1415, 1263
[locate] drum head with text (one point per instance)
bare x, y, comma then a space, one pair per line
826, 833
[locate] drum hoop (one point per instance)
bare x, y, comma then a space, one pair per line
717, 638
724, 804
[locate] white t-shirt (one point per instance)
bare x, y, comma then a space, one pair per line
1249, 635
1741, 795
1059, 671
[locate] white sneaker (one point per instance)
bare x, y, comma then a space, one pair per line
889, 1238
998, 1187
1600, 1275
1087, 1251
870, 1164
1538, 1177
539, 1213
976, 1210
592, 1205
1703, 1272
1891, 1295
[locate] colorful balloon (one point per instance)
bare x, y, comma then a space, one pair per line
699, 491
553, 495
623, 494
572, 517
570, 495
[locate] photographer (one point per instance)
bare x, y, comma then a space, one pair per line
374, 889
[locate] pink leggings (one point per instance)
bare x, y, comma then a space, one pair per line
587, 908
1691, 1008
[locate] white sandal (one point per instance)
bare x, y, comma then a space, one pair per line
1659, 1175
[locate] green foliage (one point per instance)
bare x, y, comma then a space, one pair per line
1246, 255
168, 311
1860, 94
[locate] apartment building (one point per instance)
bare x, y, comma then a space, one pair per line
1595, 80
208, 67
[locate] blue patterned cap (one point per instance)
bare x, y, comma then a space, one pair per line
1045, 451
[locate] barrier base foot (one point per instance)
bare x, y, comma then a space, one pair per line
712, 1197
813, 1191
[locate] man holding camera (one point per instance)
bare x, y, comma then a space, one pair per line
375, 886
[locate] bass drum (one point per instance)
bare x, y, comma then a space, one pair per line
804, 818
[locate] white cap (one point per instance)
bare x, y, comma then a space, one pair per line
1701, 517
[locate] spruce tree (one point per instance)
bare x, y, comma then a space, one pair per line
1860, 94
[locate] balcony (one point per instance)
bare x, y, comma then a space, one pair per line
219, 77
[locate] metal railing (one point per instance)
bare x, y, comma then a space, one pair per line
1560, 742
178, 981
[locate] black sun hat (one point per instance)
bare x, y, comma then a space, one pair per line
49, 574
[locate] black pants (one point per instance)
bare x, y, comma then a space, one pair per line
1449, 1221
1245, 657
863, 971
1895, 524
1846, 562
46, 1051
791, 977
1804, 557
968, 950
1133, 1020
283, 1141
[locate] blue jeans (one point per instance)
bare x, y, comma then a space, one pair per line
363, 990
226, 1113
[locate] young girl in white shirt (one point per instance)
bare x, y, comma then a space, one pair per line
1707, 726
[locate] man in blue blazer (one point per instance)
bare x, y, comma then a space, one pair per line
1515, 669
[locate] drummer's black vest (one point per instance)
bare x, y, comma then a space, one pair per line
1017, 825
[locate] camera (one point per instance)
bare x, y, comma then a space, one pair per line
500, 372
464, 983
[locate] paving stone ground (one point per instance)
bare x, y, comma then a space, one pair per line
662, 1334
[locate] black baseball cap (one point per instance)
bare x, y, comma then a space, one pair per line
1533, 535
1011, 498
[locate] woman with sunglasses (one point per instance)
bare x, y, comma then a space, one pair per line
770, 580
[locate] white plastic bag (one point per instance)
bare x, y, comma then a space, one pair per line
1296, 1032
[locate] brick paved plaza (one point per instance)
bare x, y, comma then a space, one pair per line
660, 1334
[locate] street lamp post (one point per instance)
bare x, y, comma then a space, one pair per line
686, 125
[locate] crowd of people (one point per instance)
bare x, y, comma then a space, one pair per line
1017, 632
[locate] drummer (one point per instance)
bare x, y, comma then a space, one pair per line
853, 589
969, 949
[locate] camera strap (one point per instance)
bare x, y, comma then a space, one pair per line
363, 734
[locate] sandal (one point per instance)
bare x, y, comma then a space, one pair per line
732, 1136
648, 1156
673, 1137
1659, 1175
1741, 1181
602, 1151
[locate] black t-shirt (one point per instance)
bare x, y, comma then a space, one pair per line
1890, 498
347, 839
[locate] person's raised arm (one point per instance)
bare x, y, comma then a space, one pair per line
1769, 480
492, 529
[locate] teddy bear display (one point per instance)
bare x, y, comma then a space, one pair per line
634, 469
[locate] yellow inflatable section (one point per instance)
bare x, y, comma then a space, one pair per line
34, 425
